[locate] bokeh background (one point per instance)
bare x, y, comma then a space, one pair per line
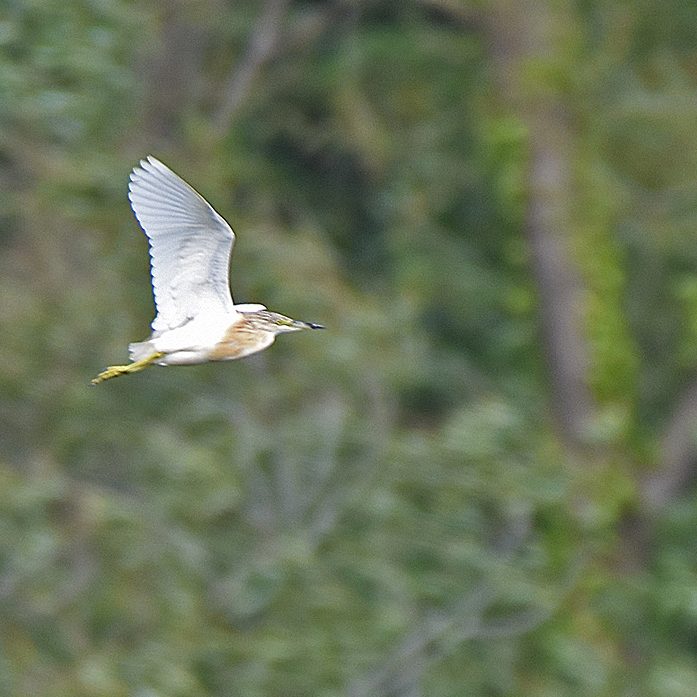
479, 480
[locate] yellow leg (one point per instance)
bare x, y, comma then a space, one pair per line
113, 371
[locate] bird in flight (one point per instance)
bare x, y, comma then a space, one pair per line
196, 320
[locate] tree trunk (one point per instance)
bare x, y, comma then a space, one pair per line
526, 34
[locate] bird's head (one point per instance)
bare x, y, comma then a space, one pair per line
265, 320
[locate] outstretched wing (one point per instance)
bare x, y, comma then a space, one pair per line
190, 246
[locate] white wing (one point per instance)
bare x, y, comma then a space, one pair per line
190, 246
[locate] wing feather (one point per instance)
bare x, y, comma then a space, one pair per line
190, 246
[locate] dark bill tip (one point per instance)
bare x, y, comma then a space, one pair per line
314, 326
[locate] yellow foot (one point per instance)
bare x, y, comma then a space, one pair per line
113, 371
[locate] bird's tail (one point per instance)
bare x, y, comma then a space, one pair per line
140, 350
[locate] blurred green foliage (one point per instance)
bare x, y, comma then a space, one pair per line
386, 508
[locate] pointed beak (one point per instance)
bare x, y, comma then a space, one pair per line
310, 325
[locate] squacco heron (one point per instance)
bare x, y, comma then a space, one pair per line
196, 320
